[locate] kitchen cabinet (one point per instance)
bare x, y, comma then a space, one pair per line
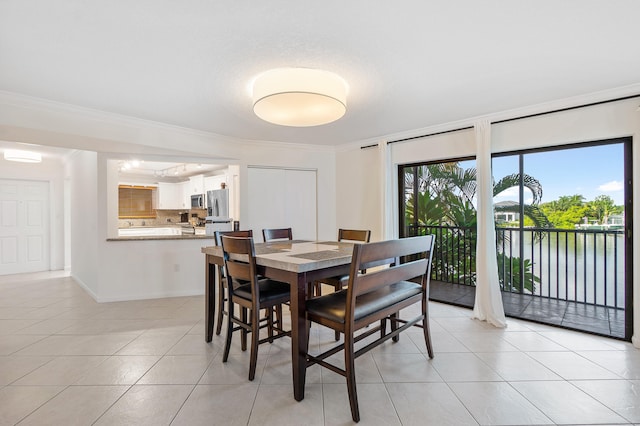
170, 196
196, 185
214, 182
186, 194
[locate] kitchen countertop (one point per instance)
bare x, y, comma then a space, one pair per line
162, 237
188, 233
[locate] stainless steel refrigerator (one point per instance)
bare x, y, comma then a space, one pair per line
217, 211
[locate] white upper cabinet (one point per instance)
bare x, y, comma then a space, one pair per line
214, 182
186, 186
170, 196
196, 185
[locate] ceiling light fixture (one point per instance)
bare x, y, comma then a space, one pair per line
22, 156
299, 97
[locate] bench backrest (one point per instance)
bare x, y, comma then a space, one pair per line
385, 255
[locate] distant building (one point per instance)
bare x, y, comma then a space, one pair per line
616, 219
502, 216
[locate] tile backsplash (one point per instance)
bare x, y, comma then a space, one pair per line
163, 217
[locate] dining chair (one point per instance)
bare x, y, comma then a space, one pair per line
277, 234
252, 294
338, 282
377, 296
222, 281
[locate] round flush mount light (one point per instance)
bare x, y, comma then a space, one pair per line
299, 97
22, 156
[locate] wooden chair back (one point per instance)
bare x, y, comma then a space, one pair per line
218, 235
361, 235
277, 234
240, 263
218, 240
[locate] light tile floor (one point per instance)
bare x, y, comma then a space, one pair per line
66, 360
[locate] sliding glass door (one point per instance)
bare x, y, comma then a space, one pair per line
563, 227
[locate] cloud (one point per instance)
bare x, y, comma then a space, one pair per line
612, 186
513, 193
509, 193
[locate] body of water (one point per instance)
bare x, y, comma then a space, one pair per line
576, 265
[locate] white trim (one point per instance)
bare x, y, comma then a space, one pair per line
113, 119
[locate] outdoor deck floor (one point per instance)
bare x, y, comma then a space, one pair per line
575, 316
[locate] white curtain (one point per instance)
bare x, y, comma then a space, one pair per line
389, 218
488, 305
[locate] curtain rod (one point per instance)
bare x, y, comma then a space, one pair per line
368, 146
519, 118
565, 109
431, 134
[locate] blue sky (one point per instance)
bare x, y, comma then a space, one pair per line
589, 171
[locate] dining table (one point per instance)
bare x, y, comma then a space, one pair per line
296, 262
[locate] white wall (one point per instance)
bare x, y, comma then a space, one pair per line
359, 191
149, 269
50, 170
83, 174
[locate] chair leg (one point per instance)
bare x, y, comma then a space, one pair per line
227, 343
255, 337
243, 332
278, 309
221, 298
270, 324
338, 287
425, 328
349, 359
394, 326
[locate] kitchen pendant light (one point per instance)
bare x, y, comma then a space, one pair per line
22, 156
299, 97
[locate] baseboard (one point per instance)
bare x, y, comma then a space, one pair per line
85, 288
125, 298
163, 295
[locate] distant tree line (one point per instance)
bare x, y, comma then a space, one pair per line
570, 210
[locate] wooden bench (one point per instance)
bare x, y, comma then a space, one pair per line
375, 297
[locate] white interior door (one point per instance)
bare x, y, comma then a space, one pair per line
283, 198
24, 226
301, 209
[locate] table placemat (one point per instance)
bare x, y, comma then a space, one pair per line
319, 255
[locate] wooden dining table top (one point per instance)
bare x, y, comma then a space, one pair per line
297, 255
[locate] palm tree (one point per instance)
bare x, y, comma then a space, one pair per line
445, 195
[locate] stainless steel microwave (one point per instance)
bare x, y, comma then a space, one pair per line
197, 201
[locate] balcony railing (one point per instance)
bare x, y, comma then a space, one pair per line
585, 266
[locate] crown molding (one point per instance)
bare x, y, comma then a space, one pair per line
30, 102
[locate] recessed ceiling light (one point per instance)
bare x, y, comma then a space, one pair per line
22, 156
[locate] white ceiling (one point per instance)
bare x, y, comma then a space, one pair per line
409, 64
